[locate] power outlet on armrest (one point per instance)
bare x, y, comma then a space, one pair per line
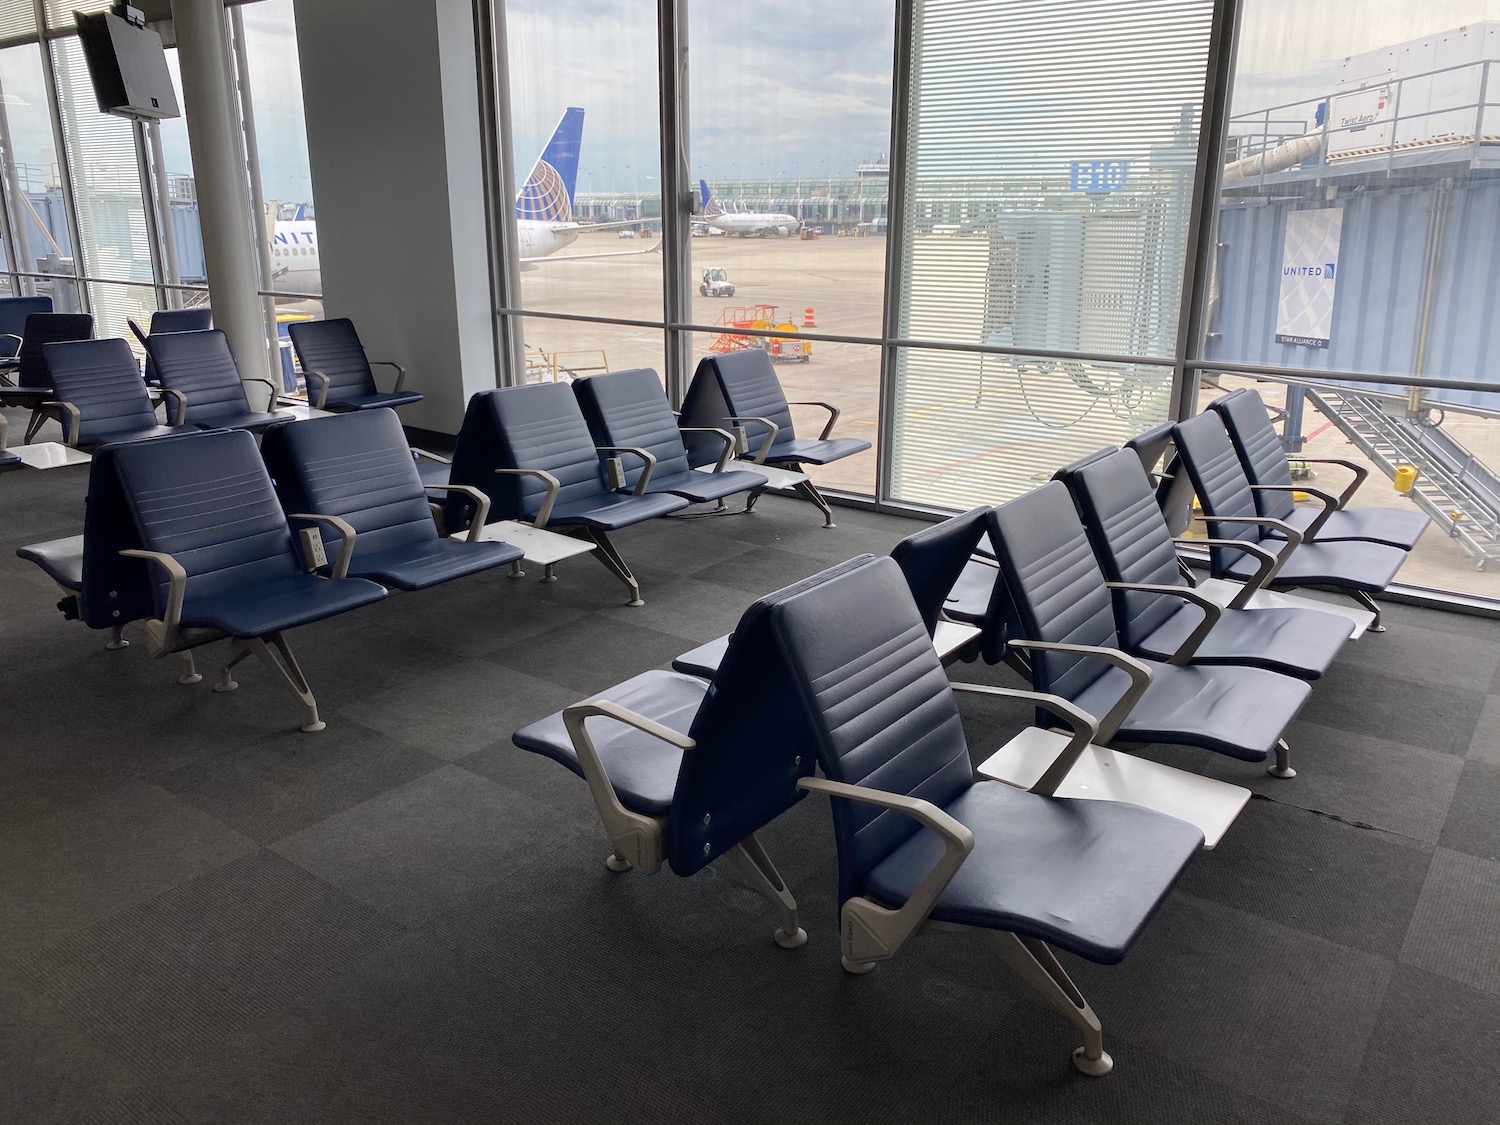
741, 441
614, 472
312, 548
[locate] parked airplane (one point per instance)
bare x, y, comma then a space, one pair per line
544, 217
760, 223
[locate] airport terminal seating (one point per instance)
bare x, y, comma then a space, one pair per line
1062, 619
1240, 546
1159, 613
358, 467
931, 560
739, 391
683, 770
529, 450
628, 415
226, 567
170, 320
338, 374
922, 843
13, 314
98, 394
1264, 460
33, 386
202, 385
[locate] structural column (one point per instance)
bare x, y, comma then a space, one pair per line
223, 189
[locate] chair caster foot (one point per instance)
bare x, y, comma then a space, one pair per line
618, 865
194, 678
857, 968
791, 941
829, 524
1375, 629
1281, 771
313, 727
516, 574
226, 685
1094, 1068
116, 646
636, 602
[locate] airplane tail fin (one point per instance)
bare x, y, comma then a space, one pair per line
547, 195
710, 204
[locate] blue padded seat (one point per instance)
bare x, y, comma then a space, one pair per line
337, 370
9, 460
1354, 566
170, 320
60, 559
33, 384
1058, 594
205, 501
13, 314
629, 408
1085, 876
100, 380
540, 427
728, 391
1132, 545
202, 382
1264, 460
358, 467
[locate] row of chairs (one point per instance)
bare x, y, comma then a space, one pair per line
1062, 841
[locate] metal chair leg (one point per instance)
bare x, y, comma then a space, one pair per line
751, 860
611, 560
810, 492
1036, 962
1364, 601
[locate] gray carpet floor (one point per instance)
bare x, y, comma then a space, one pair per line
206, 916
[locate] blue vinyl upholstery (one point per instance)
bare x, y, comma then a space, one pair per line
743, 384
1132, 544
206, 500
100, 378
200, 366
1059, 595
1086, 875
1218, 477
172, 320
13, 314
934, 558
629, 408
332, 347
359, 467
33, 385
1264, 460
540, 427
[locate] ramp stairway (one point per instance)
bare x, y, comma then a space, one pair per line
1455, 488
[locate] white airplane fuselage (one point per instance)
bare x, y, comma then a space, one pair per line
539, 239
778, 224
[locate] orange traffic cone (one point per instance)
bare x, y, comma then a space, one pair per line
807, 318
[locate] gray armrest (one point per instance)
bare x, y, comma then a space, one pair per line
171, 620
400, 372
179, 405
1327, 499
323, 384
4, 430
432, 456
635, 836
771, 431
1293, 538
481, 501
342, 526
728, 439
1140, 677
1084, 727
1212, 611
544, 513
874, 933
1360, 473
647, 457
70, 418
1257, 581
833, 415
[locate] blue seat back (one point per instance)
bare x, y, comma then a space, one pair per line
535, 427
1204, 450
201, 366
43, 329
740, 384
175, 320
630, 408
333, 347
1129, 537
934, 557
206, 500
1056, 588
1150, 446
13, 314
754, 742
101, 378
1260, 451
357, 466
880, 705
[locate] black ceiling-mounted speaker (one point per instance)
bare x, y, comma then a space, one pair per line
127, 63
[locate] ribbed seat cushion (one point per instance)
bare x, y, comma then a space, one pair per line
1395, 527
1346, 562
233, 418
703, 487
810, 451
359, 401
277, 604
416, 566
1298, 642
